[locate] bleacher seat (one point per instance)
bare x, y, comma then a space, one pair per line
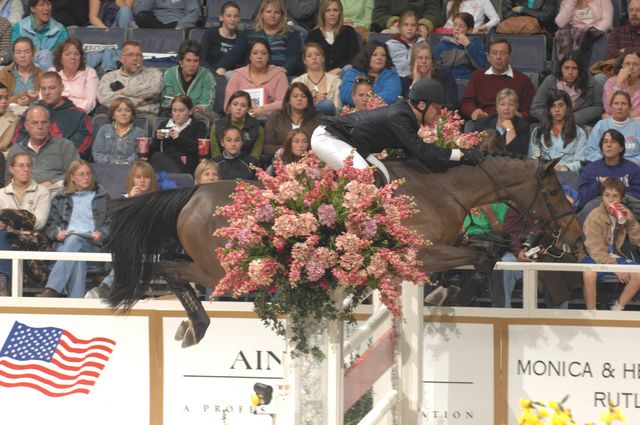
376, 36
99, 35
196, 34
101, 119
112, 177
598, 50
462, 84
182, 179
157, 40
218, 103
529, 52
617, 12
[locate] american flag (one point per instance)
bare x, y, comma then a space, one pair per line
52, 360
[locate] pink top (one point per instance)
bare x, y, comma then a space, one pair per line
275, 86
81, 89
608, 91
601, 13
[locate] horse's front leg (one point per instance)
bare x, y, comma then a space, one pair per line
178, 275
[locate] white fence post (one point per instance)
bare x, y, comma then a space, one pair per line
410, 349
16, 277
384, 384
335, 373
530, 290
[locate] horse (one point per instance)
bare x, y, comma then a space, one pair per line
144, 226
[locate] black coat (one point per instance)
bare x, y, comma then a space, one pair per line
184, 149
520, 144
341, 52
393, 126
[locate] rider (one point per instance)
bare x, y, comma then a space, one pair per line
394, 126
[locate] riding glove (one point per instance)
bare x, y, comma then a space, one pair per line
472, 156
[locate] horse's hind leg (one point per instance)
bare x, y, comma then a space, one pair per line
178, 275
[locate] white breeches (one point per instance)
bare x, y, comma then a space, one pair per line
334, 151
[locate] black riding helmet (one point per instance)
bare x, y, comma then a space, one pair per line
429, 91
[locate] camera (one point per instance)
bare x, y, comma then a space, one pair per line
530, 242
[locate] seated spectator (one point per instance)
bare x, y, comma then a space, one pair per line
627, 80
111, 13
480, 11
217, 41
189, 77
358, 14
558, 136
67, 120
324, 86
22, 193
45, 32
233, 163
401, 45
386, 14
239, 116
612, 164
79, 222
174, 149
270, 25
294, 148
480, 94
620, 120
605, 239
459, 54
12, 10
115, 143
374, 62
297, 112
180, 15
22, 77
80, 81
5, 41
207, 171
71, 13
133, 80
625, 37
585, 92
50, 155
363, 97
339, 41
266, 83
423, 66
8, 120
513, 129
544, 11
580, 24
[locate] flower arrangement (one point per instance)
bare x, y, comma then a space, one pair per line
554, 413
373, 102
445, 132
310, 232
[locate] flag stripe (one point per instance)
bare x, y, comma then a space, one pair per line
73, 349
93, 356
44, 391
47, 371
40, 379
87, 341
61, 365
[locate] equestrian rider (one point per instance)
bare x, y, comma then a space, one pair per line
394, 126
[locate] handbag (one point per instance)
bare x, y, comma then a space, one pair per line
524, 25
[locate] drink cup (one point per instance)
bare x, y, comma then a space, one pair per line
143, 146
615, 210
204, 149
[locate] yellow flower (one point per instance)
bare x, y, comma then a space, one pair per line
543, 413
255, 400
524, 403
606, 417
618, 415
554, 405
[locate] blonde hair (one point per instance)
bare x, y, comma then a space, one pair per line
69, 185
322, 8
147, 171
505, 94
418, 47
259, 25
204, 166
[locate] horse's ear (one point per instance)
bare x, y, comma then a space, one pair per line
551, 165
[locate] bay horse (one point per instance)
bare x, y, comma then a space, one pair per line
144, 226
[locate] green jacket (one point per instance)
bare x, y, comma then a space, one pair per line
202, 90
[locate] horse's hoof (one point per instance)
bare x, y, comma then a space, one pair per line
189, 338
182, 330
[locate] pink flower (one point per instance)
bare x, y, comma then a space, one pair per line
262, 270
290, 225
327, 215
368, 229
264, 213
315, 270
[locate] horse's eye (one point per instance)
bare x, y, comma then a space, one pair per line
553, 192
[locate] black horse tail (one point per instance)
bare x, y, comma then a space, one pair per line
142, 229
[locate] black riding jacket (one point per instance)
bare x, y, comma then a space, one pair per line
393, 126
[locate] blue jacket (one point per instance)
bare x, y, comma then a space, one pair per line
631, 132
48, 37
459, 60
388, 85
589, 185
571, 155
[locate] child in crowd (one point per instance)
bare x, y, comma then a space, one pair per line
219, 40
207, 172
401, 45
461, 54
233, 163
294, 148
239, 116
606, 240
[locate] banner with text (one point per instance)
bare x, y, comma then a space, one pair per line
592, 365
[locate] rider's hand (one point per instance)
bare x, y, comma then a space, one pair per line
472, 156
